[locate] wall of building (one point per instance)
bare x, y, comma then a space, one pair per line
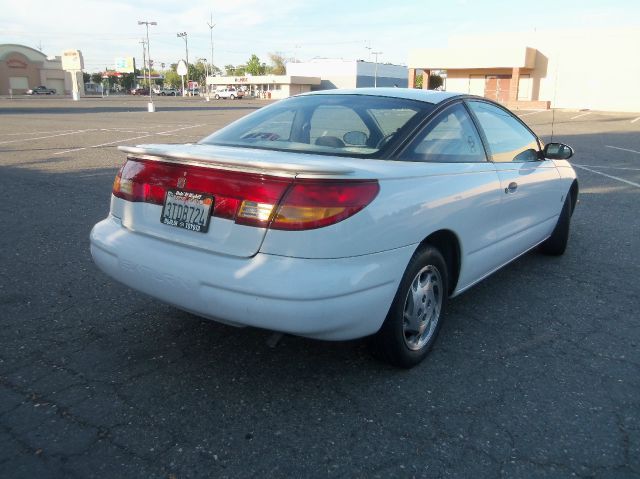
333, 73
350, 74
595, 69
21, 62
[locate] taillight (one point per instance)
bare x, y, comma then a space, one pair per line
313, 204
250, 199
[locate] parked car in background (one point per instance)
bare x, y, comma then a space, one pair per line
41, 90
339, 214
230, 93
139, 91
168, 92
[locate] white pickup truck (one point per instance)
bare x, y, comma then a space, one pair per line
230, 93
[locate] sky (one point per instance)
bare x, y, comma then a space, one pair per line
302, 30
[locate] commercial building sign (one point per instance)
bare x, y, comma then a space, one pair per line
125, 65
72, 60
16, 63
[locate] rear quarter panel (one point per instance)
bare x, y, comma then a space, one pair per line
415, 199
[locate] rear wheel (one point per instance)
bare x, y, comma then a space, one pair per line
556, 244
217, 97
413, 322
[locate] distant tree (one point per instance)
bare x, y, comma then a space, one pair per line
229, 70
435, 81
96, 78
198, 72
418, 82
127, 80
278, 64
172, 79
86, 77
254, 66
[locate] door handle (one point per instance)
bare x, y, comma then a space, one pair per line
513, 186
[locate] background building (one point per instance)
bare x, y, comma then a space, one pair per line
266, 86
350, 74
22, 68
596, 70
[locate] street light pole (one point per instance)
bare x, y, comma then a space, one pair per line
211, 25
144, 59
375, 74
186, 47
146, 23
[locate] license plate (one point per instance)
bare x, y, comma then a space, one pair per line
187, 210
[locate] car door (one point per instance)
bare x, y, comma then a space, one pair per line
532, 194
466, 186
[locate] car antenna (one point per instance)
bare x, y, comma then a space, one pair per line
553, 120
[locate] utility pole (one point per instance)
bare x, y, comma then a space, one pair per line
186, 47
367, 45
146, 23
211, 25
375, 74
144, 59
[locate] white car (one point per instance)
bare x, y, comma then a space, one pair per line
230, 93
338, 214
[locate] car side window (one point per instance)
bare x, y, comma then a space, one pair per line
451, 137
507, 138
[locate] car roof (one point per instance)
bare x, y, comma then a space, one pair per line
429, 96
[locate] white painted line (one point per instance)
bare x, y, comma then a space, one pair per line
532, 113
637, 185
23, 133
609, 167
49, 136
623, 149
126, 139
580, 116
635, 119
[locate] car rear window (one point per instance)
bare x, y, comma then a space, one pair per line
341, 125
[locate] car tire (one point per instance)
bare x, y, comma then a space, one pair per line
415, 316
556, 244
233, 97
217, 97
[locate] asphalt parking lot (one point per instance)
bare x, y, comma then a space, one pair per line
536, 373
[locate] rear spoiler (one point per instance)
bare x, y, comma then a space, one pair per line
309, 167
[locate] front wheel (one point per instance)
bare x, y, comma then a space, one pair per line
413, 322
217, 97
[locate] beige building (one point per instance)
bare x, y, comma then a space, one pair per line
22, 68
597, 70
266, 86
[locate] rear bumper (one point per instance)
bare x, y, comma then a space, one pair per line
332, 299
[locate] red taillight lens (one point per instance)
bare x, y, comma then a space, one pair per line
249, 198
313, 204
148, 181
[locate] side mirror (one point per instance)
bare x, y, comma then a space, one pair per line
557, 151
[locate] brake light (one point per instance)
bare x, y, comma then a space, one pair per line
313, 204
249, 199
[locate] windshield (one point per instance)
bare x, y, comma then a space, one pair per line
342, 125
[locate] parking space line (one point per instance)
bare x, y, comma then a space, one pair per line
23, 133
635, 119
637, 185
623, 149
580, 116
532, 113
125, 139
607, 167
75, 132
